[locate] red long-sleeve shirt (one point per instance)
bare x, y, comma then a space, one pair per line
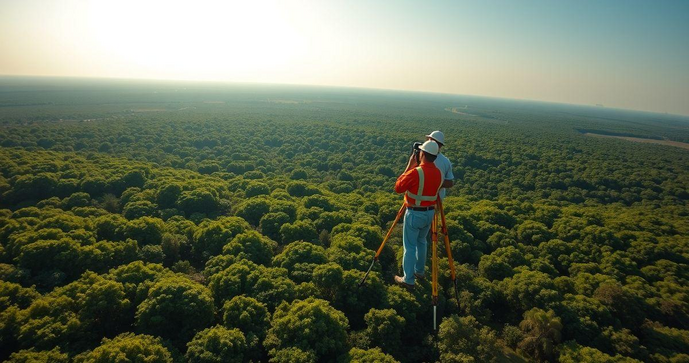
409, 181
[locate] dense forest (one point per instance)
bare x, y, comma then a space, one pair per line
185, 222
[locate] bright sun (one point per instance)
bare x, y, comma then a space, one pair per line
241, 38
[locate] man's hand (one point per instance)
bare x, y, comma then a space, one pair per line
412, 162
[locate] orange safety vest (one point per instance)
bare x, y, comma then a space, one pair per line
425, 193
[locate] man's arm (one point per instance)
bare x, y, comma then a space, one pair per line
412, 163
449, 176
405, 181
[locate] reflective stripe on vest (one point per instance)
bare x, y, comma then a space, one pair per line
419, 197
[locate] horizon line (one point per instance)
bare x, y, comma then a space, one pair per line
397, 90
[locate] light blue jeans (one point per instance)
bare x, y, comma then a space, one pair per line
415, 240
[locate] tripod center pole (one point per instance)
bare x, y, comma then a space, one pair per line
435, 309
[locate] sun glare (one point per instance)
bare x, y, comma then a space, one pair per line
626, 56
241, 38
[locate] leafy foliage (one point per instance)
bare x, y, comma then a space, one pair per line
217, 344
175, 308
148, 235
310, 324
130, 347
541, 333
251, 317
463, 339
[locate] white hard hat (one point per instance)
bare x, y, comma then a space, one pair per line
430, 147
437, 136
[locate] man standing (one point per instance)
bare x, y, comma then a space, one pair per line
442, 162
420, 183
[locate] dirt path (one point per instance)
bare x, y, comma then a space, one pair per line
457, 111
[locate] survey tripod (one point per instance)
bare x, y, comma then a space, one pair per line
434, 258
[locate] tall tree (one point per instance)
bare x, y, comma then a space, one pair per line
541, 333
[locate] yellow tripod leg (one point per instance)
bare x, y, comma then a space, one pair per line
380, 249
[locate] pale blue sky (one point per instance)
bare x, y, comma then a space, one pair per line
625, 54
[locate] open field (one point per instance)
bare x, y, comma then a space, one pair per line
682, 145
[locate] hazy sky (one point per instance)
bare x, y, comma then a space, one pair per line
626, 54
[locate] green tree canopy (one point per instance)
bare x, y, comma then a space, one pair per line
252, 246
252, 318
128, 347
465, 340
212, 236
176, 308
374, 355
384, 328
32, 356
541, 333
310, 324
217, 345
300, 258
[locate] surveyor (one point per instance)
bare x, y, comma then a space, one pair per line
420, 182
442, 162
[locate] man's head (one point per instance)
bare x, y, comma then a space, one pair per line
438, 137
429, 151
